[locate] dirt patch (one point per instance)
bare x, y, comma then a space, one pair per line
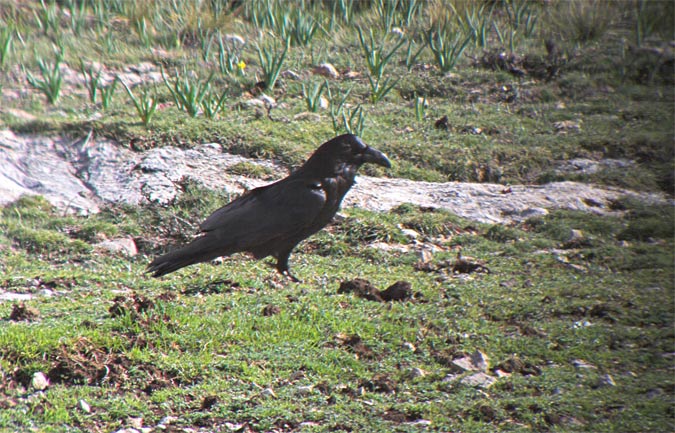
209, 401
462, 265
271, 310
135, 305
214, 287
398, 417
354, 344
399, 291
379, 383
517, 365
361, 288
23, 313
85, 363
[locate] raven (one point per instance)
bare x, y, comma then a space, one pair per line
273, 219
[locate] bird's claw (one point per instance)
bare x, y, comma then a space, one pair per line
286, 273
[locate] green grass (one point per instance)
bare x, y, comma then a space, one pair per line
197, 344
171, 344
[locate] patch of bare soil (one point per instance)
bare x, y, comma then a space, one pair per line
85, 363
214, 287
379, 383
396, 416
135, 305
399, 291
22, 312
462, 265
271, 310
354, 344
517, 365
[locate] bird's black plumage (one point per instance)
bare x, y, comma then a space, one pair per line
273, 219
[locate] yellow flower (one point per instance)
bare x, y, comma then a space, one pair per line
241, 65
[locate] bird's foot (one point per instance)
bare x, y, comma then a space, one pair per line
286, 273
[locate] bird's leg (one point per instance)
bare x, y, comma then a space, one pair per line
282, 266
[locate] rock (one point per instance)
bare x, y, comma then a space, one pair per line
136, 422
606, 380
416, 372
580, 363
383, 246
169, 419
409, 233
452, 377
564, 126
409, 346
326, 70
268, 100
235, 39
8, 296
307, 116
78, 176
39, 381
304, 390
123, 246
268, 392
262, 101
477, 361
575, 236
128, 430
590, 166
290, 75
479, 379
397, 31
84, 406
421, 423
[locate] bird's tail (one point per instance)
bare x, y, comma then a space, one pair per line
200, 250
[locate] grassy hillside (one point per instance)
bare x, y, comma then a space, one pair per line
574, 312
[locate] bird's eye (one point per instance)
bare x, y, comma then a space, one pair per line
315, 185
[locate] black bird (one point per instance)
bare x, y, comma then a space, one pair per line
273, 219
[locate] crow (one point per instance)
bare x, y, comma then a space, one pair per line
273, 219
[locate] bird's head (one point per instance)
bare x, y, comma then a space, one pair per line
349, 149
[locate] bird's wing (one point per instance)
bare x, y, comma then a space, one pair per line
270, 212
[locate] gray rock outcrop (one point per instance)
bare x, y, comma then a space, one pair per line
82, 175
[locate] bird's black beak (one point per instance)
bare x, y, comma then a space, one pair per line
376, 157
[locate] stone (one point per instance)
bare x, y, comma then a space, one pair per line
479, 379
290, 75
606, 380
416, 372
235, 39
409, 233
39, 381
477, 361
308, 117
580, 363
135, 421
304, 390
326, 70
123, 246
268, 392
169, 419
79, 176
84, 406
